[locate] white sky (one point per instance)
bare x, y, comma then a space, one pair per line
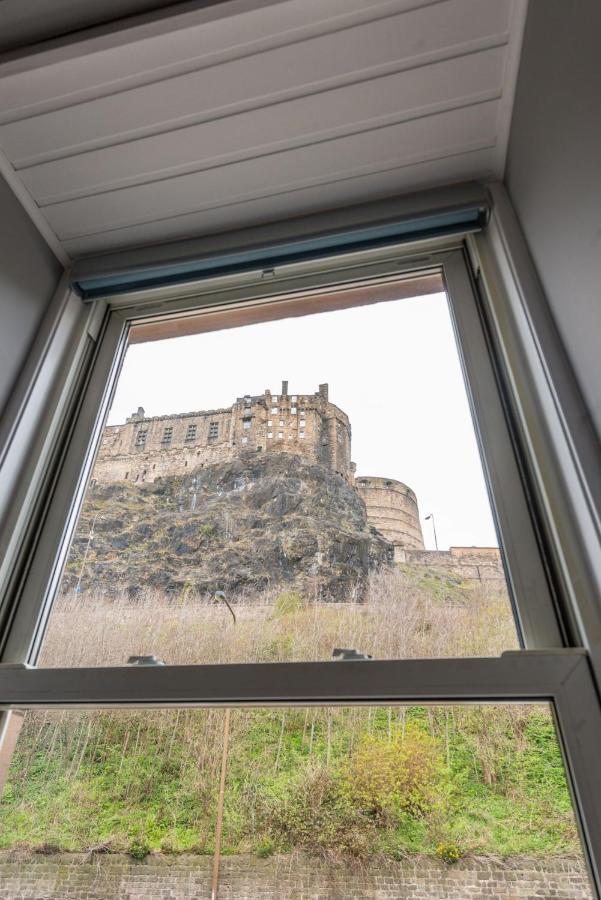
392, 367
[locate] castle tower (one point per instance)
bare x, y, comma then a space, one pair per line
392, 509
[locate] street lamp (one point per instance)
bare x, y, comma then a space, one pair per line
431, 516
220, 595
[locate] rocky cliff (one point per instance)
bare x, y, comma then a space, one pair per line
254, 523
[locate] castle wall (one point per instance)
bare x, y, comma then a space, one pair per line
307, 425
469, 563
144, 449
392, 509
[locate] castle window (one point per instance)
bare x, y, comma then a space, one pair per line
270, 434
245, 440
274, 411
281, 423
167, 435
280, 435
301, 434
191, 433
269, 423
293, 410
246, 424
302, 423
293, 399
213, 431
141, 437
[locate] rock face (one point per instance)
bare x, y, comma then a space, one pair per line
253, 523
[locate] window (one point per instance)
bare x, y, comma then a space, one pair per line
269, 423
274, 411
245, 440
246, 424
167, 435
281, 423
402, 672
141, 437
293, 410
301, 434
270, 434
191, 432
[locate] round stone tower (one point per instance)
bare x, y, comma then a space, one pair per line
392, 509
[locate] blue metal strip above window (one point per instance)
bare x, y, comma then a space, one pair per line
130, 272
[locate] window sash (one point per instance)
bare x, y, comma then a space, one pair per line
561, 677
391, 271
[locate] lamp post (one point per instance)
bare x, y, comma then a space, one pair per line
220, 595
431, 516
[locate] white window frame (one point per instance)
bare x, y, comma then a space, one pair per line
491, 353
537, 622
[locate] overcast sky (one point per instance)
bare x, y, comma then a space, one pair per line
392, 367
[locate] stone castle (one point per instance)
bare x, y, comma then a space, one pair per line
145, 449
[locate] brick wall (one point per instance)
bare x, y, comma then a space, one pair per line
108, 877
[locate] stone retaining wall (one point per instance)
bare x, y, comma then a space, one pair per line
108, 877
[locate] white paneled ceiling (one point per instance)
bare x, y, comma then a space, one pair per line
256, 110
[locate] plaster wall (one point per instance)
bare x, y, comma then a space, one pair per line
29, 275
552, 174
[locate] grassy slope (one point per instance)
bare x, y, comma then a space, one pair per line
152, 780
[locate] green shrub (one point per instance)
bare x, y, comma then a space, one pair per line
265, 848
449, 853
388, 775
316, 817
139, 849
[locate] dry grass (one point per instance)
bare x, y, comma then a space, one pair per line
407, 614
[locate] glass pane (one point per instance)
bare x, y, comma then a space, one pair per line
343, 508
428, 802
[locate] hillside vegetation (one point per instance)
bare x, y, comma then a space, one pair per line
336, 782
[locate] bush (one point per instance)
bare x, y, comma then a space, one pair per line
316, 817
449, 853
265, 848
139, 849
386, 776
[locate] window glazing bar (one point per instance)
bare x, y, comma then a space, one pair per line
514, 676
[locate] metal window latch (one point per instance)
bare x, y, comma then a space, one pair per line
345, 653
144, 661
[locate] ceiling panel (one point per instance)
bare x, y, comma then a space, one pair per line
271, 110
